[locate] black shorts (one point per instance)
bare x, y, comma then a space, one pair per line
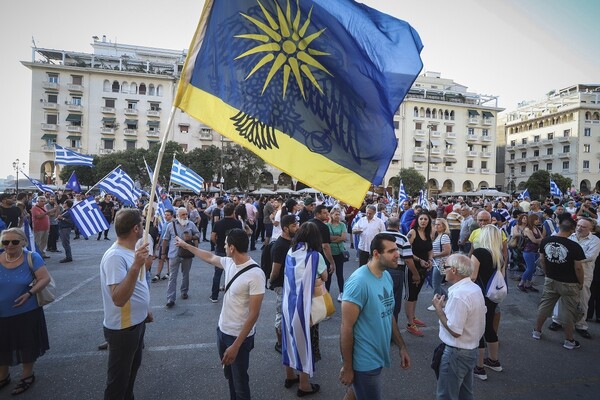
268, 230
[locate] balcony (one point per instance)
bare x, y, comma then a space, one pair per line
74, 88
564, 139
108, 110
74, 129
50, 85
547, 142
486, 138
472, 153
419, 133
564, 155
487, 121
450, 135
521, 146
107, 131
49, 106
523, 160
486, 171
592, 121
472, 138
49, 127
106, 151
435, 151
153, 113
471, 170
535, 144
75, 107
419, 150
473, 121
131, 111
547, 157
419, 167
48, 148
436, 134
450, 152
130, 132
153, 133
511, 148
511, 162
449, 169
434, 168
486, 154
205, 136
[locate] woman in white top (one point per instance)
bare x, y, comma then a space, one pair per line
442, 248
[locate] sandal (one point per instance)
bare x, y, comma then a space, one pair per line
314, 389
23, 385
291, 382
5, 382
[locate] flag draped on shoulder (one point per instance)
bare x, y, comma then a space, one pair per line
554, 189
73, 183
41, 187
310, 86
87, 216
184, 176
119, 184
69, 157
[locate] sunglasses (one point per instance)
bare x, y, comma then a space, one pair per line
13, 242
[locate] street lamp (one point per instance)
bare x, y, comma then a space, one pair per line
429, 127
17, 165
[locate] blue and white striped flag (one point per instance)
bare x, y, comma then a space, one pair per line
554, 190
423, 199
87, 216
41, 187
390, 199
69, 157
402, 193
524, 193
182, 175
119, 184
356, 236
31, 246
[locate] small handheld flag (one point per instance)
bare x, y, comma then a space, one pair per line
73, 183
554, 190
87, 216
119, 184
41, 187
184, 176
524, 193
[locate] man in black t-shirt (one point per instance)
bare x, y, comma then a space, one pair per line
217, 237
107, 207
279, 250
561, 258
321, 217
307, 211
9, 212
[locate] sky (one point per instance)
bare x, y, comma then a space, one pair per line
514, 49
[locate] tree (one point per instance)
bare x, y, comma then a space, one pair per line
206, 162
85, 175
413, 181
241, 167
538, 184
171, 148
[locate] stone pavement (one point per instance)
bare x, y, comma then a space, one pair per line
180, 359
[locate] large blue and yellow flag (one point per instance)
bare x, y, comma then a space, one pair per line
310, 86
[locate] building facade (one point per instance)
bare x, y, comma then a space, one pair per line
560, 134
447, 134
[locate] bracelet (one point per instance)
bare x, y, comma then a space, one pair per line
30, 294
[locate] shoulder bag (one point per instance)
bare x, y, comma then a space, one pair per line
249, 267
46, 295
181, 252
322, 304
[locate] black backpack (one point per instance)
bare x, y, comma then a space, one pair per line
266, 262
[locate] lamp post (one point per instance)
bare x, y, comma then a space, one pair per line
429, 127
17, 165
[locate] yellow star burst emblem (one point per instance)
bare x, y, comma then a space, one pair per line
286, 45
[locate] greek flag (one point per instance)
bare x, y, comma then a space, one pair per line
423, 199
524, 193
402, 193
87, 216
30, 237
356, 237
69, 157
119, 184
554, 190
390, 199
182, 175
41, 187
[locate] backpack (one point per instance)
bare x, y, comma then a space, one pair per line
266, 263
496, 289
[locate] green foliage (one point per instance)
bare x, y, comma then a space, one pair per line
412, 179
241, 167
85, 175
564, 184
538, 184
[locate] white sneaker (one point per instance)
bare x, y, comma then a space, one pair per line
340, 297
536, 335
571, 344
431, 308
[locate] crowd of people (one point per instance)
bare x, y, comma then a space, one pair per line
305, 243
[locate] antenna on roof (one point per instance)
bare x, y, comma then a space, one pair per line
33, 41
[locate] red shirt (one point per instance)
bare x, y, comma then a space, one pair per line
39, 224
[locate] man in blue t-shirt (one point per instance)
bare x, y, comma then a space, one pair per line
368, 324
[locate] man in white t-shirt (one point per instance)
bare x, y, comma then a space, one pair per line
244, 292
126, 301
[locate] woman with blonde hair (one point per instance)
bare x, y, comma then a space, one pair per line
486, 260
442, 248
23, 332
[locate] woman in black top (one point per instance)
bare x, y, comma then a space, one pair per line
422, 248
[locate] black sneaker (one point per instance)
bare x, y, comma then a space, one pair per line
571, 344
479, 372
156, 278
170, 304
278, 347
555, 327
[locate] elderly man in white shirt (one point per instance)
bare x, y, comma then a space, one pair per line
462, 324
368, 227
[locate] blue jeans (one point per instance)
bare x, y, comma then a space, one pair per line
186, 265
436, 281
367, 384
65, 238
456, 374
398, 281
530, 259
216, 283
236, 373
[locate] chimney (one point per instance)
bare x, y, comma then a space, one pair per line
103, 38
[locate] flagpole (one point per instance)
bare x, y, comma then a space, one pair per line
97, 183
169, 185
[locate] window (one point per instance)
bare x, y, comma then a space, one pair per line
484, 164
524, 141
586, 148
549, 152
484, 148
485, 132
567, 148
471, 147
52, 98
76, 100
523, 154
566, 133
471, 131
512, 156
417, 142
151, 90
184, 128
586, 164
75, 143
131, 105
109, 145
142, 88
106, 86
536, 153
536, 167
418, 125
549, 167
76, 79
448, 128
523, 168
587, 132
513, 142
116, 87
184, 147
536, 138
52, 119
53, 78
415, 112
551, 136
109, 103
469, 163
155, 106
130, 145
131, 123
565, 164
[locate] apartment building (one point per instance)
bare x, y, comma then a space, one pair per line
560, 134
447, 134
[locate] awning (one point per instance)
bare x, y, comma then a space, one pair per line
153, 123
47, 136
435, 160
473, 113
131, 100
151, 142
450, 159
450, 142
108, 140
131, 122
76, 137
487, 114
131, 140
74, 118
184, 124
419, 159
435, 142
109, 120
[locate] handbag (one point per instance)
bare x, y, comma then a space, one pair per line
436, 360
46, 295
181, 252
346, 255
322, 304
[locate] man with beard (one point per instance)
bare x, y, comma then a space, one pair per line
279, 249
186, 230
